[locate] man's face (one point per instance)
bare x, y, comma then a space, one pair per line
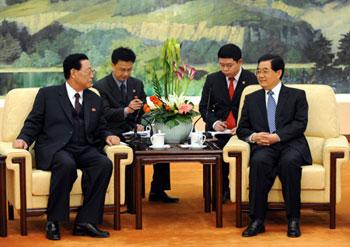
122, 70
230, 67
83, 78
267, 77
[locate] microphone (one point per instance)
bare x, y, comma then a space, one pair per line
206, 112
208, 104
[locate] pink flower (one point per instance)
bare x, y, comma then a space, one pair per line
179, 75
185, 108
191, 73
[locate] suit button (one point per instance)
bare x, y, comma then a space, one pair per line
70, 132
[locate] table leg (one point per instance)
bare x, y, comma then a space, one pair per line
213, 179
3, 213
116, 215
218, 192
138, 193
206, 187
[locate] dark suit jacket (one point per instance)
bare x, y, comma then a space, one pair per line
220, 103
291, 119
50, 123
114, 106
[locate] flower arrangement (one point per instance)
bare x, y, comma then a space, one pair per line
170, 104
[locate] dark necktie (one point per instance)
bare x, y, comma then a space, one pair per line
77, 104
123, 91
271, 112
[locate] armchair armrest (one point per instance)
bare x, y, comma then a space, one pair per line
13, 153
239, 146
336, 145
120, 149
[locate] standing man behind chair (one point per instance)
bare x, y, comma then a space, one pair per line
123, 97
274, 120
68, 126
220, 99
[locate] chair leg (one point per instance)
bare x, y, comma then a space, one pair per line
11, 212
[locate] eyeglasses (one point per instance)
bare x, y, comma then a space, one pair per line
88, 71
262, 72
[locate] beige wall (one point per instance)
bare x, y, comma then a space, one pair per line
344, 117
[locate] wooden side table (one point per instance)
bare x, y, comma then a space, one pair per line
175, 154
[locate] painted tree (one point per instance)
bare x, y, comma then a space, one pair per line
343, 54
319, 51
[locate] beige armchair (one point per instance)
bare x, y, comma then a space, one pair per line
28, 187
321, 182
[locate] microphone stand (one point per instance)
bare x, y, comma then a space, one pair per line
135, 140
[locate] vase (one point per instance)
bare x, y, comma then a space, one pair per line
175, 135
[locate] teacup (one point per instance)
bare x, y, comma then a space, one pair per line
158, 140
197, 139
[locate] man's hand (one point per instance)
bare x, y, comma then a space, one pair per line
134, 105
220, 126
19, 143
265, 138
233, 131
140, 127
112, 140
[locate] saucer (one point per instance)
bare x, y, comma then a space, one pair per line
197, 147
192, 147
160, 147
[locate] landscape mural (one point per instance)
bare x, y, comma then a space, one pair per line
36, 35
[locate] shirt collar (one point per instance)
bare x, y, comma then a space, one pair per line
236, 76
276, 90
119, 83
71, 92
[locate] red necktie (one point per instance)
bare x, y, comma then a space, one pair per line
230, 121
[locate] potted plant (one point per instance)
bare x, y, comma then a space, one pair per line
171, 112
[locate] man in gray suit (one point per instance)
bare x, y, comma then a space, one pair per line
123, 97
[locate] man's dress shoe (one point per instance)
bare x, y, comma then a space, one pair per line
87, 229
255, 227
161, 197
293, 228
52, 230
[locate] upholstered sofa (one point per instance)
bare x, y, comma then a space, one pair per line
321, 182
28, 187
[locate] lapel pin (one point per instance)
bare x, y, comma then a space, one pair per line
93, 109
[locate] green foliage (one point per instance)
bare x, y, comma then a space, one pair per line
202, 51
18, 33
319, 51
10, 49
343, 55
303, 3
170, 59
12, 2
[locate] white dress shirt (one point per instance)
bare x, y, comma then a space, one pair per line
71, 95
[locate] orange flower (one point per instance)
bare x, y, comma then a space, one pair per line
167, 108
146, 108
154, 99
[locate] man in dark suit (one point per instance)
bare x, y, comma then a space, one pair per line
273, 121
69, 129
220, 99
123, 97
